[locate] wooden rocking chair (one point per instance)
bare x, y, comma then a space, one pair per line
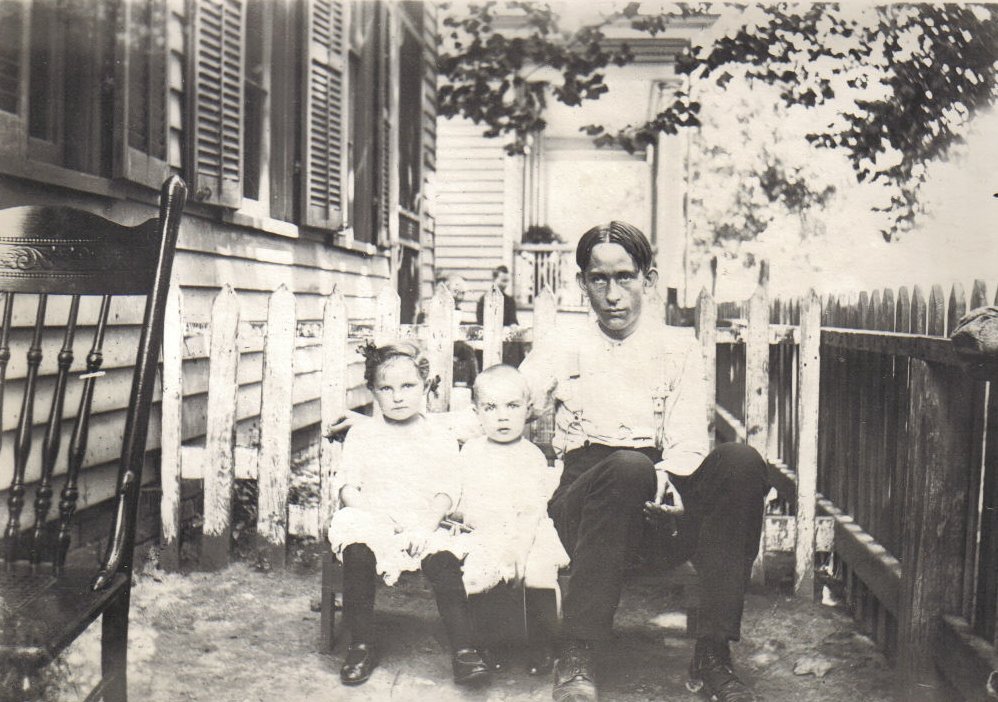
54, 258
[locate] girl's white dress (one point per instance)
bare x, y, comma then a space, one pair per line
500, 482
399, 470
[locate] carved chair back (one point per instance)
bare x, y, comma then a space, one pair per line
62, 271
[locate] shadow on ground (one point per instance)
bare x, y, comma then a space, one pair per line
243, 635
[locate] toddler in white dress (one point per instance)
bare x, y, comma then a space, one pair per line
506, 483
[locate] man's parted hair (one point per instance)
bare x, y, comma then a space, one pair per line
635, 243
499, 373
498, 270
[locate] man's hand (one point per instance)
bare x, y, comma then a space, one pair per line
338, 429
668, 502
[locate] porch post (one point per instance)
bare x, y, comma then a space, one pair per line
669, 206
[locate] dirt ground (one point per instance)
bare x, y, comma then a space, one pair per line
243, 635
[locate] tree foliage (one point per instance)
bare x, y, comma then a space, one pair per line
491, 76
892, 87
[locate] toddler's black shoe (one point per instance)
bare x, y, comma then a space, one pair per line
711, 672
362, 659
469, 667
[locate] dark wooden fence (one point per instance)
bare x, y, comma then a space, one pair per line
907, 468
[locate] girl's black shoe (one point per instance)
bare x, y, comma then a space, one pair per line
469, 667
361, 661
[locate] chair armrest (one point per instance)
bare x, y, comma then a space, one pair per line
119, 532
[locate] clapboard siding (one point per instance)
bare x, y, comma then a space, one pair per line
103, 445
93, 488
456, 180
460, 199
210, 254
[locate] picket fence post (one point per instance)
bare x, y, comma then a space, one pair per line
387, 315
276, 405
492, 329
332, 401
171, 430
705, 323
757, 395
440, 347
545, 314
808, 388
757, 372
220, 429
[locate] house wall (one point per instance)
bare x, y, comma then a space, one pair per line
471, 192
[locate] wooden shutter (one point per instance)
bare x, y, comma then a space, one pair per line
13, 77
364, 106
384, 124
141, 131
324, 129
217, 101
429, 89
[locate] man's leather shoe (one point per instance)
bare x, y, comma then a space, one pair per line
574, 680
469, 667
711, 672
361, 661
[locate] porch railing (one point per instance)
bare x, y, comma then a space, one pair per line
536, 266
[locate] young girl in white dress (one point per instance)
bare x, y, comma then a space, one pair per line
398, 481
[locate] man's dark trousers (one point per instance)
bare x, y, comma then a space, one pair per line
598, 511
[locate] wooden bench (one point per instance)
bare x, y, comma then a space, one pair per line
57, 259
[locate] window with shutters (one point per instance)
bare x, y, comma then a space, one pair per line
83, 90
295, 126
273, 111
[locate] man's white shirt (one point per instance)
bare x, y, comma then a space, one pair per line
646, 390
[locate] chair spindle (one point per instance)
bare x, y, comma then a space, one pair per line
53, 436
22, 442
78, 441
8, 306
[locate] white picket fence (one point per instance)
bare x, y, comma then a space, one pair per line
326, 347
